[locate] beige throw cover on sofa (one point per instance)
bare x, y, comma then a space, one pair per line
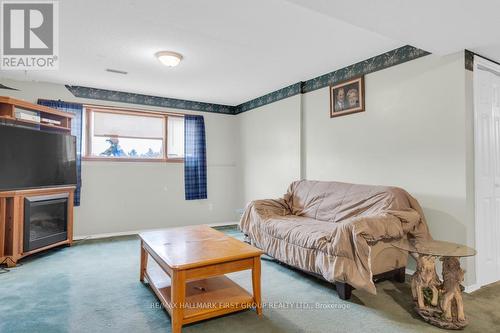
327, 227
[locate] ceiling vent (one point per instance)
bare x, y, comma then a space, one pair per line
116, 71
8, 88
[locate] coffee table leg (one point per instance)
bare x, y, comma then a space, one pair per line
256, 285
144, 262
178, 295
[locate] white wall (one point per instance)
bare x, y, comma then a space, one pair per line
412, 135
270, 149
128, 196
416, 134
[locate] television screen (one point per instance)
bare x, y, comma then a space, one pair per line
31, 158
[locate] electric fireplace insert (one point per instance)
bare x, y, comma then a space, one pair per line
45, 220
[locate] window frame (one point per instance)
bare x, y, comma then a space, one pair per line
90, 109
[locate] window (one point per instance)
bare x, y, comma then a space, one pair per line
133, 135
175, 137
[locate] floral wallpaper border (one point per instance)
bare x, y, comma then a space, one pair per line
377, 63
469, 60
124, 97
382, 61
277, 95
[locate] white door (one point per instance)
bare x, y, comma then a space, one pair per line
487, 169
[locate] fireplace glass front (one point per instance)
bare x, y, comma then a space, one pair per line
45, 221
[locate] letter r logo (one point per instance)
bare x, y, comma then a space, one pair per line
28, 28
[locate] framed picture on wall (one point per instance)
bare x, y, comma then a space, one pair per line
347, 97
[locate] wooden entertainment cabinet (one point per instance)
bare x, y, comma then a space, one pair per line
50, 119
12, 222
12, 203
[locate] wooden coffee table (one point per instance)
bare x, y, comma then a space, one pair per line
187, 273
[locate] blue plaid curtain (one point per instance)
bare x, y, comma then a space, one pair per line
195, 159
76, 130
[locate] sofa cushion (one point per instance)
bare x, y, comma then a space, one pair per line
335, 201
301, 231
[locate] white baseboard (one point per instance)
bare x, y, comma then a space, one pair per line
409, 271
107, 235
222, 224
135, 232
472, 288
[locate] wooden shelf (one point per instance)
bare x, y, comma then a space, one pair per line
9, 105
29, 122
205, 298
34, 107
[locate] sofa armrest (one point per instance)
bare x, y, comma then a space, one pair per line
269, 207
258, 211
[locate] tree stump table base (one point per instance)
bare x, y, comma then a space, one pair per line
434, 316
438, 302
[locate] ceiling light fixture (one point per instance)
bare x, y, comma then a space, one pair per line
168, 58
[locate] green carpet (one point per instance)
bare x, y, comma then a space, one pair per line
94, 287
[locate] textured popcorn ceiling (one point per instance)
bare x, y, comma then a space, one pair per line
233, 51
442, 27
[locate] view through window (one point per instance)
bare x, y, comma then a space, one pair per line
134, 135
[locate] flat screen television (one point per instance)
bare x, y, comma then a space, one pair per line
31, 158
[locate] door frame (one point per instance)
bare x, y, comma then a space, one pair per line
479, 64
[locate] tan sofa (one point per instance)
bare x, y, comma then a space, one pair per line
337, 230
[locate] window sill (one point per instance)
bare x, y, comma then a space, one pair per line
118, 159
